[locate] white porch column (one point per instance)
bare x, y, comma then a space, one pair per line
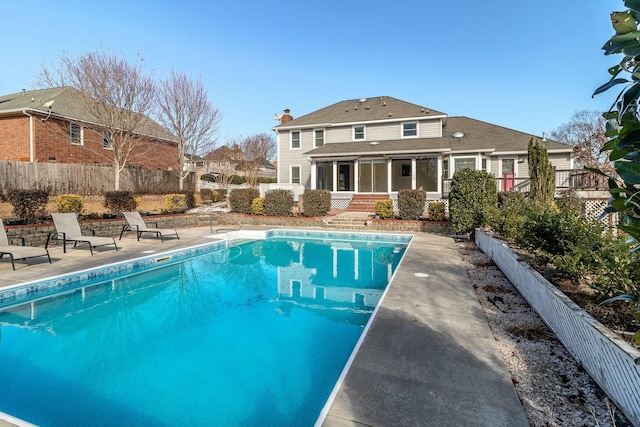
414, 172
334, 171
389, 169
356, 176
313, 175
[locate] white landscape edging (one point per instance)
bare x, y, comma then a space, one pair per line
609, 360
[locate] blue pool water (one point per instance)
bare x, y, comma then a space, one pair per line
253, 335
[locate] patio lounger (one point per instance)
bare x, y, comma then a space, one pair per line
19, 252
68, 230
137, 224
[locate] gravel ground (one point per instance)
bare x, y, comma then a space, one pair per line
553, 388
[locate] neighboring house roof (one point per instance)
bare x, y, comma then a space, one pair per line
61, 103
379, 108
473, 136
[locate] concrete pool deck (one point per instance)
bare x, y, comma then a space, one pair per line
428, 359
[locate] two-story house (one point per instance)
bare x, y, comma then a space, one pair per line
49, 125
383, 145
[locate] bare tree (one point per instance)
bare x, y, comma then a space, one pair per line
585, 130
257, 150
114, 98
184, 109
223, 162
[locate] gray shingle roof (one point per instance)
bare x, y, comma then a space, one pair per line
65, 106
359, 110
478, 135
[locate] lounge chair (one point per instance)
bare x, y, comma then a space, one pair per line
19, 252
68, 230
137, 224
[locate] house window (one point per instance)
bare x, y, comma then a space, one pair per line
318, 135
76, 134
445, 168
295, 139
324, 176
358, 133
464, 163
409, 130
107, 141
295, 174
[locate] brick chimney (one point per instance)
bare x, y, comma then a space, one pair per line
286, 117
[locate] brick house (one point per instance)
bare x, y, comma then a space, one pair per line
49, 126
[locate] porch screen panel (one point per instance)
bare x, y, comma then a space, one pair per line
400, 174
324, 176
380, 176
366, 180
427, 174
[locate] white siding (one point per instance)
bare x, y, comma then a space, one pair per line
287, 157
430, 129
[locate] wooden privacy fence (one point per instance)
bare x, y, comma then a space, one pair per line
87, 179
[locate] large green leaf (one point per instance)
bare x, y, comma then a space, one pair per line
629, 172
611, 83
631, 49
612, 47
633, 5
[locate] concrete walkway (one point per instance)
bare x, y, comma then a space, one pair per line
429, 358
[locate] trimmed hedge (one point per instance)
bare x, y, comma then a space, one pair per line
472, 198
241, 199
384, 208
29, 205
120, 201
257, 206
69, 203
278, 202
175, 202
436, 211
411, 203
316, 202
189, 198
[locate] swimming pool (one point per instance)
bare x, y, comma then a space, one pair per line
245, 333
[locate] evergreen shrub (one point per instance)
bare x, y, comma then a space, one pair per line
69, 203
384, 208
472, 197
120, 201
411, 203
29, 205
278, 202
316, 202
241, 199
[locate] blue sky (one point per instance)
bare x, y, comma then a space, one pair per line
524, 65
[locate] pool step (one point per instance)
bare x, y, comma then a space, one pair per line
349, 220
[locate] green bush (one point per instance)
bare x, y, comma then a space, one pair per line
436, 211
316, 202
69, 203
241, 199
411, 203
263, 180
257, 206
29, 204
120, 201
208, 178
473, 195
384, 208
278, 202
237, 180
509, 219
175, 202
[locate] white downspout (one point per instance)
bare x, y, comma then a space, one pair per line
31, 147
